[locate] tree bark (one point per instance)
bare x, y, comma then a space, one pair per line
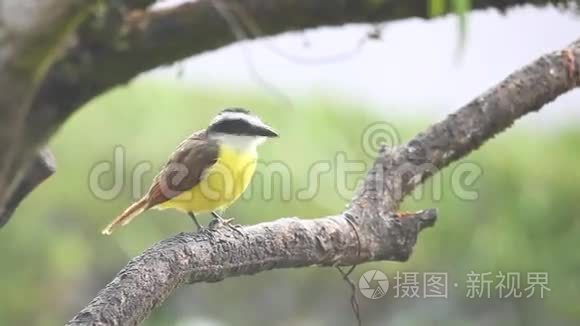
42, 167
32, 32
368, 230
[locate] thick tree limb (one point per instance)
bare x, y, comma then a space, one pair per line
367, 231
211, 256
114, 48
524, 91
41, 168
123, 40
31, 33
172, 34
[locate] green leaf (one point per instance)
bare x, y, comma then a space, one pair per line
437, 7
461, 8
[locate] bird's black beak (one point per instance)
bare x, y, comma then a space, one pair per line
267, 132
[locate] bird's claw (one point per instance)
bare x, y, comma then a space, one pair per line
218, 222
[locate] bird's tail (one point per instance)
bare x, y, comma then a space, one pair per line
127, 216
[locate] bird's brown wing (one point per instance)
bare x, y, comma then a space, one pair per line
184, 169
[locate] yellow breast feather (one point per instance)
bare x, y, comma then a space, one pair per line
221, 184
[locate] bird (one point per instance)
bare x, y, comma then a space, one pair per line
208, 171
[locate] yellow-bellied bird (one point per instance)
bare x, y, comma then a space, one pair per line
208, 171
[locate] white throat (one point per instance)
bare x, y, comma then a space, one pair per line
240, 143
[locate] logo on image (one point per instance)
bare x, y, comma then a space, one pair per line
373, 284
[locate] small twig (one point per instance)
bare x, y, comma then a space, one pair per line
345, 276
241, 34
252, 26
353, 300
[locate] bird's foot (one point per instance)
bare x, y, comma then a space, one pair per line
227, 221
219, 221
194, 219
214, 224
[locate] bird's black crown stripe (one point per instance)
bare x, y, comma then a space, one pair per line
238, 127
232, 126
236, 110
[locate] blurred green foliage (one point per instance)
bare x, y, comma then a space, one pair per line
461, 8
54, 259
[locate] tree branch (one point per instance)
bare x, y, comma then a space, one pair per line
367, 231
33, 103
524, 91
117, 46
42, 167
126, 38
212, 255
31, 35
